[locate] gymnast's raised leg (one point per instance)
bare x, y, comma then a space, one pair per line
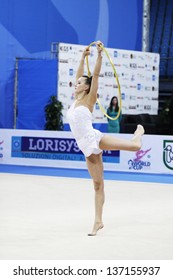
112, 143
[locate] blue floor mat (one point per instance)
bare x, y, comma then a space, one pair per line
80, 173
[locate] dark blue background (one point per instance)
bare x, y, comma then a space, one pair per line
28, 27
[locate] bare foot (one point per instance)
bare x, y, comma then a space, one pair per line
96, 227
140, 130
137, 136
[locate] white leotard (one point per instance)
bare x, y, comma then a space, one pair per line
87, 138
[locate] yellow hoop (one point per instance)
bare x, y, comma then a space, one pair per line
117, 81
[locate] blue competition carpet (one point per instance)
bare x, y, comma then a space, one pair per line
75, 173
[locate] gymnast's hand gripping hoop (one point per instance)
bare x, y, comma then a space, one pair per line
116, 78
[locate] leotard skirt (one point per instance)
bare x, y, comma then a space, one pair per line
89, 144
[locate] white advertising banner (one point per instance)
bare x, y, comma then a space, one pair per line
137, 72
59, 149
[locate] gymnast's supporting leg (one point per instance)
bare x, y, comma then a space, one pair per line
95, 168
112, 143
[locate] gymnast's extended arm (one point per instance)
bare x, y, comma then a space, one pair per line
80, 70
96, 72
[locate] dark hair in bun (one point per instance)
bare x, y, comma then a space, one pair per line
88, 81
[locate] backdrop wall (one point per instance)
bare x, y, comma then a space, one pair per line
28, 27
37, 80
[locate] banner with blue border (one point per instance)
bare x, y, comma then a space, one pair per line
59, 149
53, 149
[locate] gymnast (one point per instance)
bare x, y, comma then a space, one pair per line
91, 141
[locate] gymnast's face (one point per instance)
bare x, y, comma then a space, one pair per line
81, 85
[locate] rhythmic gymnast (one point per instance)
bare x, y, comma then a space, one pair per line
91, 141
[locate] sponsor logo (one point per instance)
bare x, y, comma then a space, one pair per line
97, 106
138, 163
71, 84
148, 67
64, 48
132, 107
115, 86
140, 57
154, 77
108, 64
133, 65
109, 74
123, 96
132, 77
148, 57
147, 88
147, 107
168, 153
124, 86
107, 99
72, 60
125, 65
1, 149
71, 72
63, 60
125, 55
108, 85
132, 97
53, 149
117, 65
155, 89
139, 86
141, 67
155, 59
140, 154
147, 98
115, 54
125, 76
63, 84
140, 76
132, 56
155, 68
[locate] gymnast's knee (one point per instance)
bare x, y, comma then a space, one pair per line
98, 185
